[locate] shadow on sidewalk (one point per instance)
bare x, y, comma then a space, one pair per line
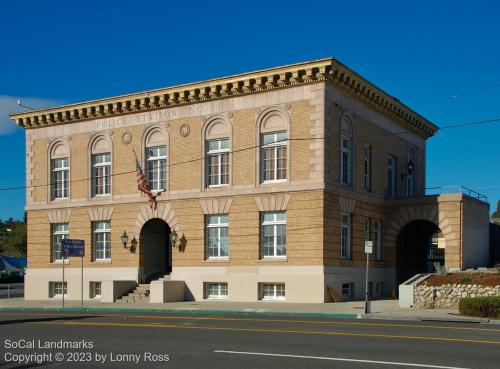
47, 319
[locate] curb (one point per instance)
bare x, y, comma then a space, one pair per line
186, 312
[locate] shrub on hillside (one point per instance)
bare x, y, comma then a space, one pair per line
480, 306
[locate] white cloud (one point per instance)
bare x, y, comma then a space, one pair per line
8, 105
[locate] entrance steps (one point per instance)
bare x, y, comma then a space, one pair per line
140, 295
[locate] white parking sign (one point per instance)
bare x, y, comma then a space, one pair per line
368, 247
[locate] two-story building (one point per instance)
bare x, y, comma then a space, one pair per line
268, 183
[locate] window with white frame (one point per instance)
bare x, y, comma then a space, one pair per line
101, 240
216, 290
273, 234
346, 160
217, 162
391, 176
57, 289
217, 229
377, 229
101, 174
95, 290
345, 236
348, 290
60, 178
273, 291
59, 233
274, 156
156, 167
367, 168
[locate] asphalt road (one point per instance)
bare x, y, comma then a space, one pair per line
189, 341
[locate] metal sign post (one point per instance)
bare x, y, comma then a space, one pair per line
63, 279
74, 248
368, 251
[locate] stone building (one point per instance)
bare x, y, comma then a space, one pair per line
268, 183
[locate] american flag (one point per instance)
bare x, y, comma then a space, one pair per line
143, 185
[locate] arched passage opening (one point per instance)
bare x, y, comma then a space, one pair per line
155, 253
418, 246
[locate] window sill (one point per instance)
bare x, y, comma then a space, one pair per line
103, 196
102, 261
66, 261
276, 181
217, 260
273, 299
217, 186
60, 199
274, 258
222, 298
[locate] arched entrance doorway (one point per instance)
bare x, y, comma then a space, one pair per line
418, 246
155, 253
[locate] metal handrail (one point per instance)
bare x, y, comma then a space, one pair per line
457, 188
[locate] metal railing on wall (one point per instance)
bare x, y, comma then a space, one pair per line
454, 189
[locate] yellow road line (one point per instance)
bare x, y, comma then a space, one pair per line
184, 317
261, 330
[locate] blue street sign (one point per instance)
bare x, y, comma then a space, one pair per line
73, 247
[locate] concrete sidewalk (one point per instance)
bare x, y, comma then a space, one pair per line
381, 309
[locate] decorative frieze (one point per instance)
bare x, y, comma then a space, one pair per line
347, 205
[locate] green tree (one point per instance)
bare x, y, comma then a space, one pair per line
13, 237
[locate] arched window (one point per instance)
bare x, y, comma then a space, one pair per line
156, 160
217, 149
410, 178
274, 133
346, 150
59, 170
100, 159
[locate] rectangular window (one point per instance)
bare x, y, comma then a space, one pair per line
60, 178
218, 163
367, 168
346, 161
367, 229
274, 156
348, 290
345, 236
217, 229
59, 232
101, 240
101, 174
57, 289
156, 167
95, 290
377, 238
216, 290
273, 234
391, 176
273, 291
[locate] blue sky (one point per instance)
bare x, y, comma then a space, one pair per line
440, 58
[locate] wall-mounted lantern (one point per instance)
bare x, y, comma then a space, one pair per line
174, 237
124, 239
133, 245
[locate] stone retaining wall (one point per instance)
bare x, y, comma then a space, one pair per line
448, 295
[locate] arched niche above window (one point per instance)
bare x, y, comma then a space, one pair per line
59, 150
217, 129
273, 120
101, 144
346, 125
155, 138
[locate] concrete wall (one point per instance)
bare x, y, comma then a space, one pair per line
475, 229
37, 280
